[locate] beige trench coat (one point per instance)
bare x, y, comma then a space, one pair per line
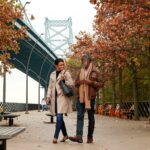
64, 104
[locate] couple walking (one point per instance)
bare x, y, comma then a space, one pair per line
87, 83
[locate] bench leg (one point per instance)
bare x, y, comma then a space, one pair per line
11, 121
3, 145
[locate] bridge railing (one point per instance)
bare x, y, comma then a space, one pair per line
14, 107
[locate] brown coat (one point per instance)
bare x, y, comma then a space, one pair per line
96, 83
64, 104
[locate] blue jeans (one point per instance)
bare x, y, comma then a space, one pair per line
60, 125
80, 118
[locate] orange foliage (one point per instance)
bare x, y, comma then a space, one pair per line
93, 1
84, 44
9, 35
121, 30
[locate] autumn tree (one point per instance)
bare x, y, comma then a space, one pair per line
122, 28
93, 1
9, 35
84, 43
121, 37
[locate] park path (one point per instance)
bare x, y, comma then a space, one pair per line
110, 133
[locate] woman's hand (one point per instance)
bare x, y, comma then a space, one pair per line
62, 77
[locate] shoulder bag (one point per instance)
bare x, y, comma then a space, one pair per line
66, 89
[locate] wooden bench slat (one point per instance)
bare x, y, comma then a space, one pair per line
9, 132
10, 116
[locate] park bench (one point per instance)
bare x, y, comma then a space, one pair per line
8, 133
51, 117
10, 117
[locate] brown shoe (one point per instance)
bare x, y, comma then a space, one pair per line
54, 141
64, 139
76, 139
89, 140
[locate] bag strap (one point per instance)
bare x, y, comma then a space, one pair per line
64, 72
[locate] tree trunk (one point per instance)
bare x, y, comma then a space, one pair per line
113, 87
103, 100
4, 92
135, 91
120, 87
149, 98
149, 85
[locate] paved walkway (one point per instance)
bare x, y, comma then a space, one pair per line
110, 134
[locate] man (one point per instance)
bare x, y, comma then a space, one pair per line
43, 104
88, 83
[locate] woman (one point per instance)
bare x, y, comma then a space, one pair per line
59, 103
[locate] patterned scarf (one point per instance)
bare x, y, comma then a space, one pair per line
84, 88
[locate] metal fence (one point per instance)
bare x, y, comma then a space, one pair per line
143, 108
14, 107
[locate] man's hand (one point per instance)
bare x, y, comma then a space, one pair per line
88, 82
80, 82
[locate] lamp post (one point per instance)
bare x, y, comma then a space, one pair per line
4, 82
4, 90
25, 5
25, 15
25, 68
38, 88
26, 111
27, 71
39, 83
39, 96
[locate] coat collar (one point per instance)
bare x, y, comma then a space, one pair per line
60, 74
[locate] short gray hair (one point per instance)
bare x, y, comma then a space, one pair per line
87, 56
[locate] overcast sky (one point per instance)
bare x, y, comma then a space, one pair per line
82, 14
81, 11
